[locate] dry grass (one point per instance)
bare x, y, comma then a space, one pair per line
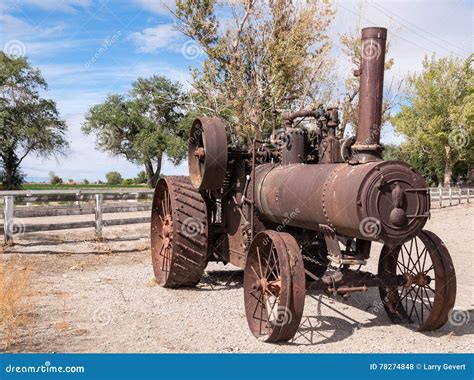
16, 297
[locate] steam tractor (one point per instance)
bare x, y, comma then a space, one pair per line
300, 210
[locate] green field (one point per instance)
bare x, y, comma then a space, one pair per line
67, 186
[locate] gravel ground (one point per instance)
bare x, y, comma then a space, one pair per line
101, 297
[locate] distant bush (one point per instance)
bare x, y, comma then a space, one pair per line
127, 181
56, 180
140, 178
113, 178
85, 181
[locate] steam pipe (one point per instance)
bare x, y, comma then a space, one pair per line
367, 146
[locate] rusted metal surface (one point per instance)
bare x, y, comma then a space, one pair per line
428, 291
354, 200
367, 145
274, 286
179, 233
207, 153
303, 206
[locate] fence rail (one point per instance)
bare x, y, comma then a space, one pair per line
450, 196
80, 202
88, 202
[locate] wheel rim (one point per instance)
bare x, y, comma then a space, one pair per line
427, 286
274, 293
207, 153
179, 233
162, 233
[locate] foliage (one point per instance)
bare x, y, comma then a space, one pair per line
127, 181
65, 186
29, 124
437, 117
269, 56
140, 178
142, 125
85, 181
391, 152
54, 179
113, 178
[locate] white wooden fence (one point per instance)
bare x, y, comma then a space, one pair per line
21, 204
450, 196
31, 204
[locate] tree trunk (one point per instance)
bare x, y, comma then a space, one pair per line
448, 167
12, 178
152, 176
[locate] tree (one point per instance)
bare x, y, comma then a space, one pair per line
140, 178
437, 115
113, 178
85, 181
29, 124
391, 152
271, 55
142, 125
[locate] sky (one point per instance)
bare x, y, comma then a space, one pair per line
87, 49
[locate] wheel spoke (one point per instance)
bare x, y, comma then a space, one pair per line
260, 263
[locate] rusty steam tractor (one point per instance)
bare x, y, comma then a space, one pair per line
301, 209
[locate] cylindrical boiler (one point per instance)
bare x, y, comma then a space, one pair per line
383, 201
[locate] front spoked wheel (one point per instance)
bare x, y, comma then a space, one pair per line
424, 272
274, 286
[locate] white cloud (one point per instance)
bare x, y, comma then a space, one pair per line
152, 39
160, 7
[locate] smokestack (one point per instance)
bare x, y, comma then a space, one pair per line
367, 146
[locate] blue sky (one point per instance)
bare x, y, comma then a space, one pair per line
89, 48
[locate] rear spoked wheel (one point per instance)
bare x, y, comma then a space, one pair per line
274, 286
179, 233
426, 289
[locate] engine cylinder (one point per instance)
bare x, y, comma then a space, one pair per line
386, 201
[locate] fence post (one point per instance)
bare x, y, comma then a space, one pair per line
8, 227
459, 196
450, 196
99, 199
440, 191
78, 198
468, 195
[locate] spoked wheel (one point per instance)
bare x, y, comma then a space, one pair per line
207, 153
426, 279
179, 233
274, 286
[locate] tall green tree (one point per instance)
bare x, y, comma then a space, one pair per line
270, 55
29, 123
142, 125
437, 117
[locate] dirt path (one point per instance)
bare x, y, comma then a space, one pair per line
101, 297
